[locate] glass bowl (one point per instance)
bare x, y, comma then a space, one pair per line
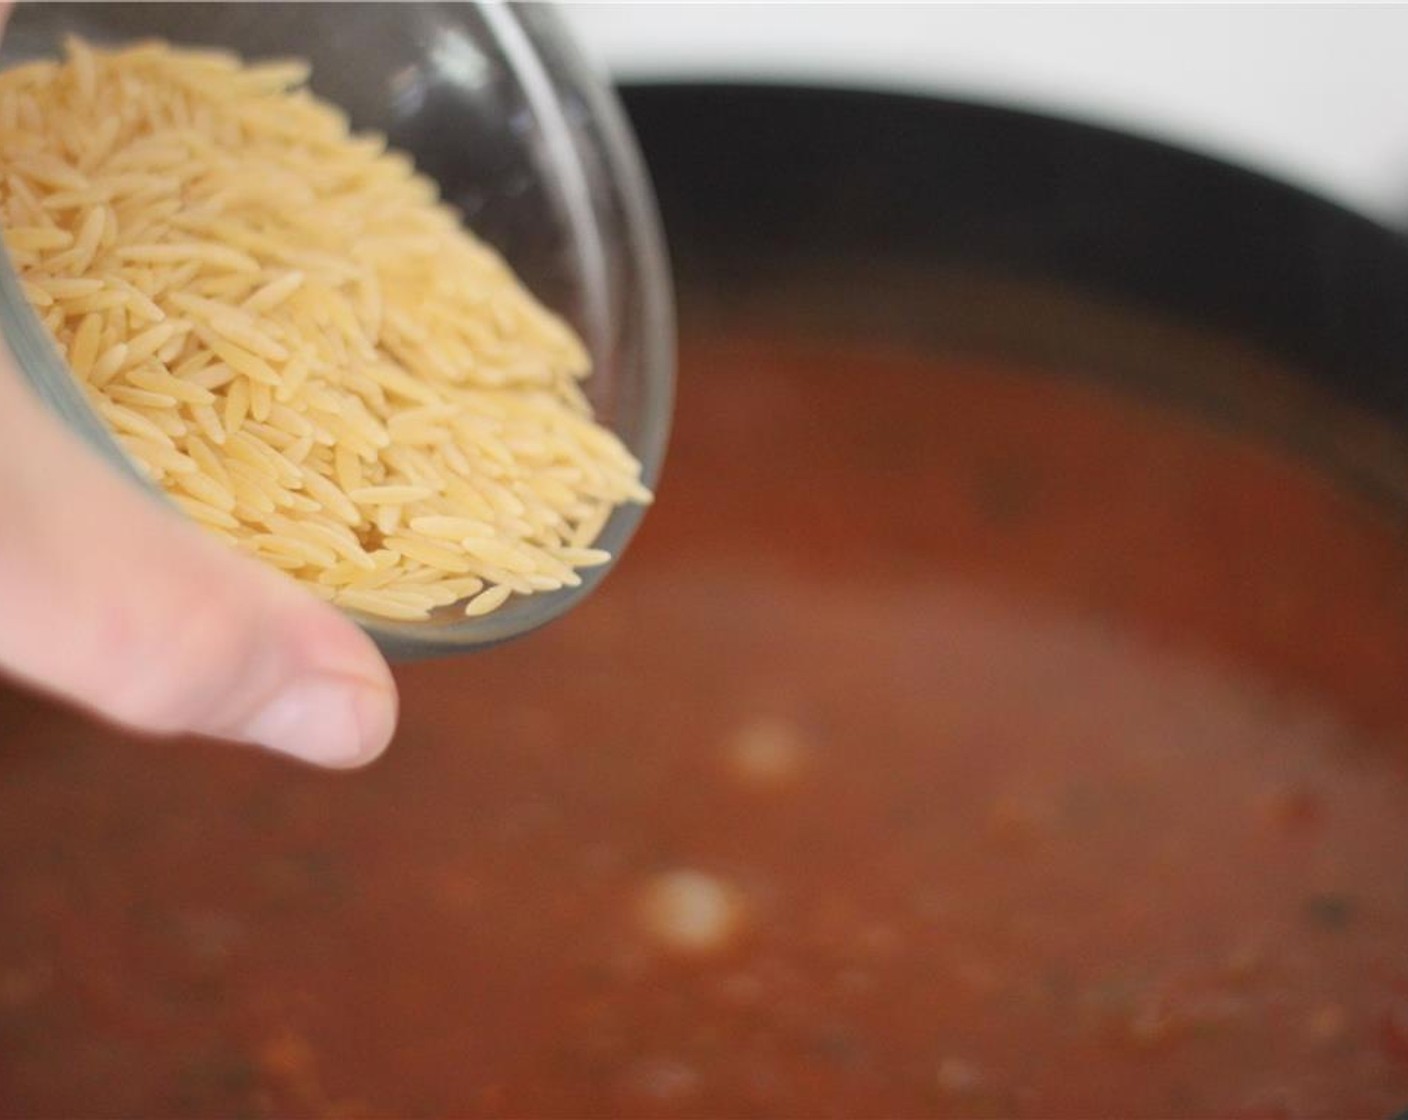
496, 103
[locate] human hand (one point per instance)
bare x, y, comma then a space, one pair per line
112, 601
116, 603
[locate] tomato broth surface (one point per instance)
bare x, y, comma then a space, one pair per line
956, 739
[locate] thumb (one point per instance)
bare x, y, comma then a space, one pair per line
116, 603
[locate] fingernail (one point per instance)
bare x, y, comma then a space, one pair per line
328, 721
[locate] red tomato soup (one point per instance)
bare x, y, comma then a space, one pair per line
957, 739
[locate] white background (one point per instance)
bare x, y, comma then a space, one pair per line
1315, 94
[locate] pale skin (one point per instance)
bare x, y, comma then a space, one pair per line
111, 601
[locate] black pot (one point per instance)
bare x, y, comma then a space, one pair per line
960, 223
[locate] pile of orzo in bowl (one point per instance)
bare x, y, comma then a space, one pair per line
294, 338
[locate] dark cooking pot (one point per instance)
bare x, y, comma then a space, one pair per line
846, 185
1002, 712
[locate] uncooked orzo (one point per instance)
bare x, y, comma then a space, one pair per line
288, 331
